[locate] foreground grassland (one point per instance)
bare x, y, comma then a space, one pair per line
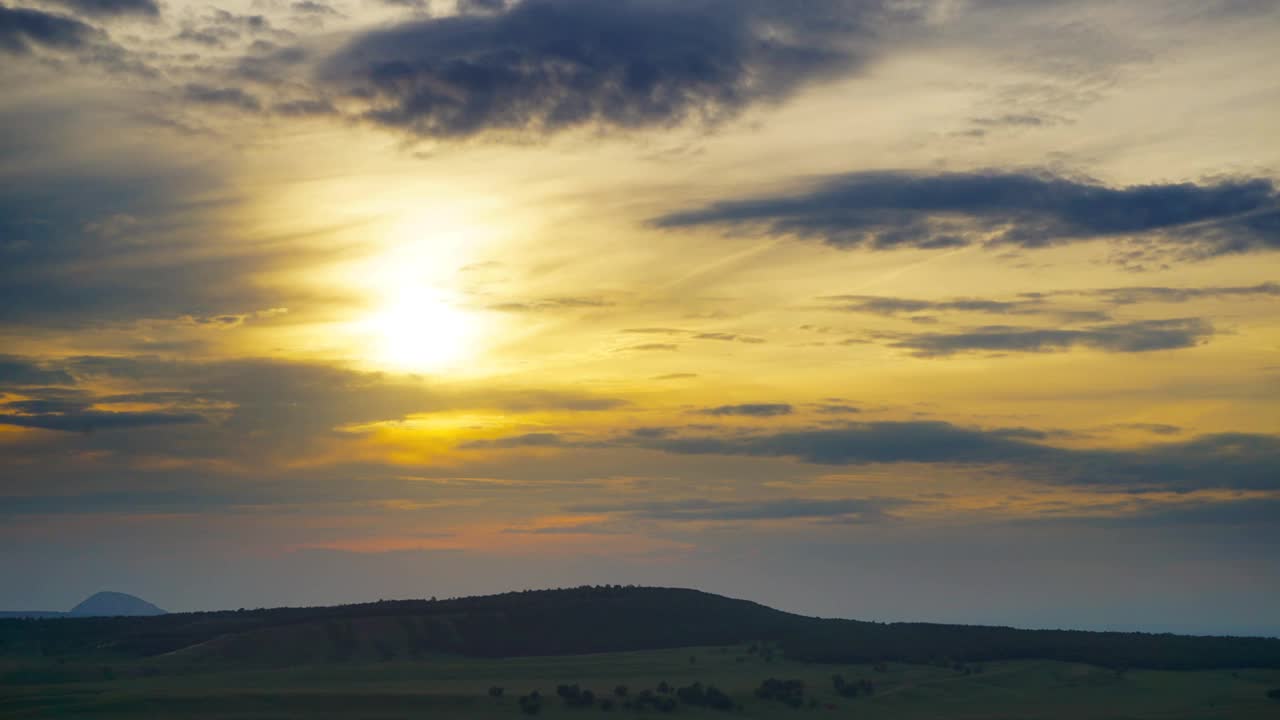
451, 687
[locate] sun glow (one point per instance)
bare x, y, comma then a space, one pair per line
420, 318
419, 329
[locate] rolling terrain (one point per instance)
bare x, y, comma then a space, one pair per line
594, 620
485, 657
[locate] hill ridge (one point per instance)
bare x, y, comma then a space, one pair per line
592, 619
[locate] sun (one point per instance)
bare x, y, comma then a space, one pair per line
421, 329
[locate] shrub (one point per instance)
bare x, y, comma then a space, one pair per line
787, 692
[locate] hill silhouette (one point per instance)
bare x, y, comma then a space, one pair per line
100, 604
114, 604
594, 620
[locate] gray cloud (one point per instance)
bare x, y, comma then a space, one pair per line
111, 8
836, 409
886, 210
267, 404
544, 66
750, 410
22, 29
310, 7
883, 305
304, 108
1232, 460
178, 257
1158, 294
225, 96
694, 510
875, 442
1128, 337
20, 371
1040, 303
80, 420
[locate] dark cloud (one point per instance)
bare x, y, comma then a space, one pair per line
111, 8
252, 23
80, 420
304, 108
269, 64
694, 510
876, 442
46, 406
1129, 337
310, 7
256, 405
836, 409
220, 27
1158, 294
883, 305
211, 37
22, 29
886, 210
226, 96
543, 66
1237, 460
1257, 514
1155, 428
178, 257
16, 371
1041, 303
750, 410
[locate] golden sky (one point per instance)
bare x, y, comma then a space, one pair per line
318, 301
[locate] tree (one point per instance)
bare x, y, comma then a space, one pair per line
787, 692
575, 696
843, 687
531, 704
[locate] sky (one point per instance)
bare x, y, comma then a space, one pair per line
945, 310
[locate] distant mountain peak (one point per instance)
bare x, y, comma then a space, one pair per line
112, 604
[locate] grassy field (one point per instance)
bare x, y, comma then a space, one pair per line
450, 687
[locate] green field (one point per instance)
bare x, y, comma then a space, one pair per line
454, 687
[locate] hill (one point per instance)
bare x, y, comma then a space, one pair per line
114, 604
593, 620
101, 604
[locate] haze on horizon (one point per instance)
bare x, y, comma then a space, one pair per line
945, 310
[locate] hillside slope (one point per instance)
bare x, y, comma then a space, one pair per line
593, 620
